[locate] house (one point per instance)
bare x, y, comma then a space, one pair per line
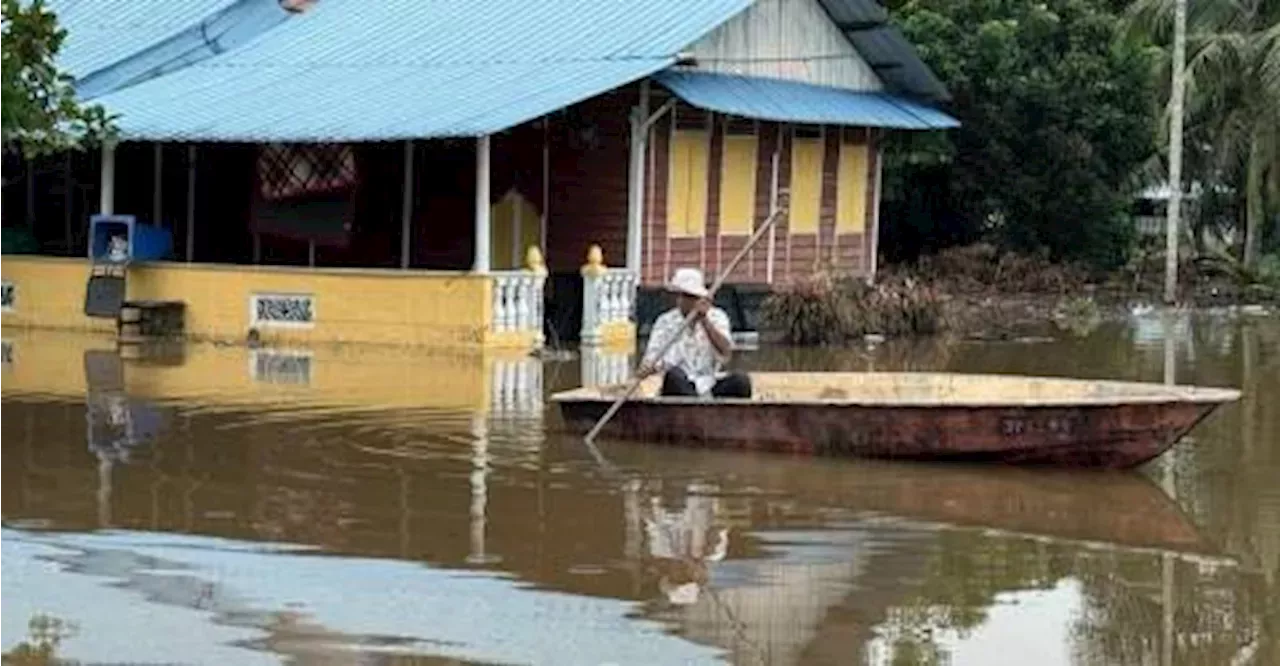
379, 172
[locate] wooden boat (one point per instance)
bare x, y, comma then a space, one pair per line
919, 416
1123, 510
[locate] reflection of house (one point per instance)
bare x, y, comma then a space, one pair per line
341, 150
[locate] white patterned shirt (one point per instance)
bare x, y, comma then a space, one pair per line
694, 352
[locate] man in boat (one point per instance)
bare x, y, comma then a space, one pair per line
693, 365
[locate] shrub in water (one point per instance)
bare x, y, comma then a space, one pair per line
806, 312
824, 310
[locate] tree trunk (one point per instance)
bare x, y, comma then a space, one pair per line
1253, 203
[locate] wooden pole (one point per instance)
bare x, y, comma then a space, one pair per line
406, 205
724, 274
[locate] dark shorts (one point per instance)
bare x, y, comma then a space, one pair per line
734, 385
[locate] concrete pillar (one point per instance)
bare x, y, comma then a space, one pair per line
481, 262
635, 185
107, 184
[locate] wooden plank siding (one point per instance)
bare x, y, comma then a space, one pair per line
829, 241
588, 199
786, 39
590, 149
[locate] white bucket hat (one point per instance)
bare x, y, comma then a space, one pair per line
688, 281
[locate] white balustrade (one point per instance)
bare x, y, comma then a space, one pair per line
605, 369
517, 302
516, 388
607, 297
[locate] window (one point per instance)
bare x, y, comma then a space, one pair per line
293, 170
738, 179
687, 189
851, 186
807, 150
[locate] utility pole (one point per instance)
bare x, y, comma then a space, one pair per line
1173, 208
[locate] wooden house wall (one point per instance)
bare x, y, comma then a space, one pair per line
788, 39
839, 244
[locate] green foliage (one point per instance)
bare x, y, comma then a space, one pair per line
1232, 110
45, 634
826, 310
40, 110
1056, 114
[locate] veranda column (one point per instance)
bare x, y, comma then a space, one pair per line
107, 189
191, 203
635, 185
157, 182
481, 262
406, 205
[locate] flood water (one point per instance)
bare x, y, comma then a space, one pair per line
220, 505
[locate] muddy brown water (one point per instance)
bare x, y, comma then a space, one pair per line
213, 505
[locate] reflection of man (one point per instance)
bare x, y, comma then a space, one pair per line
683, 542
692, 365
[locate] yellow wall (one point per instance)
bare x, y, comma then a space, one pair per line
806, 184
851, 188
502, 221
52, 363
689, 174
351, 305
738, 184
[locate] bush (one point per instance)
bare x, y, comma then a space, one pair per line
982, 267
826, 310
806, 313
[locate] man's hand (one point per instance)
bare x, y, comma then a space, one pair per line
702, 307
648, 369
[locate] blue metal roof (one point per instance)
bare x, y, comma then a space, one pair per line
792, 101
352, 70
102, 33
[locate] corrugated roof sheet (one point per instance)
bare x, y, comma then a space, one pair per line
356, 70
101, 33
866, 24
791, 101
896, 62
226, 28
850, 14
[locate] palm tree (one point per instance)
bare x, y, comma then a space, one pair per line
1232, 97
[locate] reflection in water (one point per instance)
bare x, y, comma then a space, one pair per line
398, 506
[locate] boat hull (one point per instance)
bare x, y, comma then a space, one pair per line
1106, 436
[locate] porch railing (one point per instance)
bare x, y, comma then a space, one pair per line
517, 302
601, 368
608, 296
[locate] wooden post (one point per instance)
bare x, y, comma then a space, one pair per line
873, 245
406, 205
157, 182
191, 203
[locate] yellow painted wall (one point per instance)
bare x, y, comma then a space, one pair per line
738, 184
851, 188
351, 305
806, 184
502, 221
52, 363
689, 177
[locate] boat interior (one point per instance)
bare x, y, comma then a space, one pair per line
929, 389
